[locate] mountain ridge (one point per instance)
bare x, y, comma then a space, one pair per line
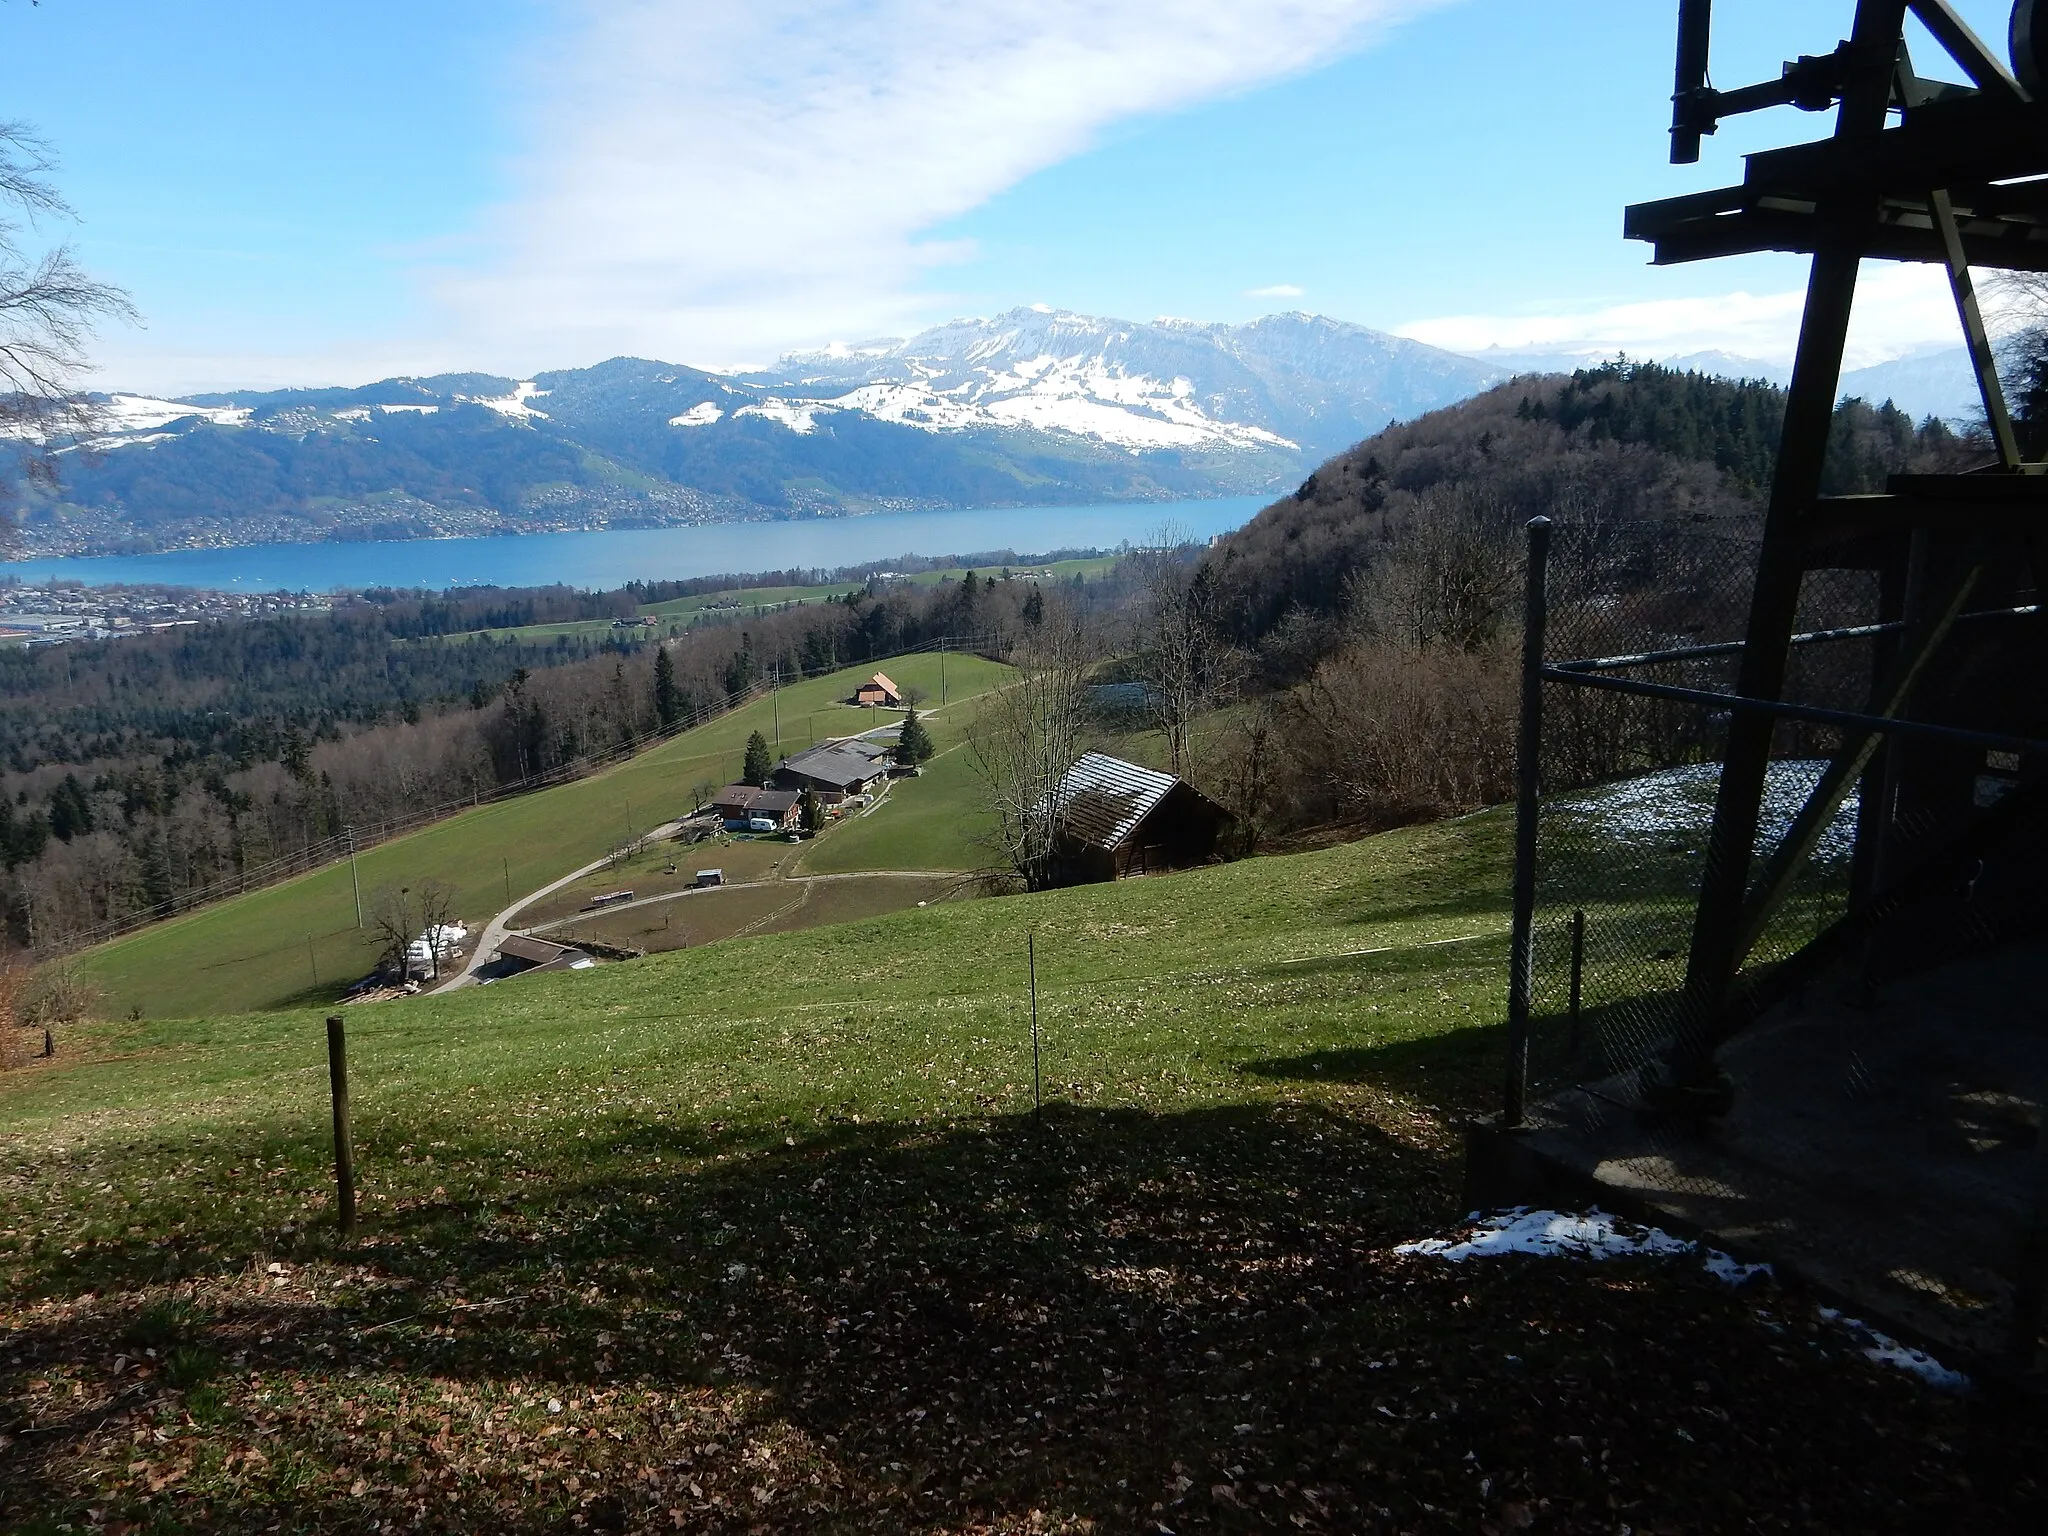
1032, 406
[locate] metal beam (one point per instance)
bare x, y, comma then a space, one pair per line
1975, 337
1795, 488
1985, 69
1847, 766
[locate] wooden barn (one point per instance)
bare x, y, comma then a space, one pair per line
879, 690
1117, 820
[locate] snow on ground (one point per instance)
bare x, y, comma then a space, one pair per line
1678, 803
140, 413
424, 410
700, 415
514, 404
1551, 1234
800, 416
1597, 1235
1885, 1350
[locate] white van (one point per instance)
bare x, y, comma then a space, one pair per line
761, 824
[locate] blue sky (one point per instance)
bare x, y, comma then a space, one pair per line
299, 194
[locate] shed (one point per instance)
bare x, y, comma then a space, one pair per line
520, 953
878, 690
835, 771
1116, 820
706, 878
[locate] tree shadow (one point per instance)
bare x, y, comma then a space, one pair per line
1101, 1319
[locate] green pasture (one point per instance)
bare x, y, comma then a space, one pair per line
771, 1235
298, 942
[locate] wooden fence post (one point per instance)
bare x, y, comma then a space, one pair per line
344, 1151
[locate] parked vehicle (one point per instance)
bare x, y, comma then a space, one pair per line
761, 824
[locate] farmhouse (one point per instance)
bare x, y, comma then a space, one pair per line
878, 690
738, 804
1115, 820
836, 770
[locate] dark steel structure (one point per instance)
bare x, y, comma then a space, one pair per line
1953, 678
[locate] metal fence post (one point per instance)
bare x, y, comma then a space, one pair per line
1528, 784
344, 1150
1578, 975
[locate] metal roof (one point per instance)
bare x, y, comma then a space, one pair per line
518, 946
836, 763
1102, 799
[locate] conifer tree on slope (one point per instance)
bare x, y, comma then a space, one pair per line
759, 763
913, 742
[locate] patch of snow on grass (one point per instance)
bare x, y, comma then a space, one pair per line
702, 414
1678, 804
1885, 1350
1564, 1234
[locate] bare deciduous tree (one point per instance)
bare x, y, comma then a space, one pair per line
1187, 665
1029, 735
48, 305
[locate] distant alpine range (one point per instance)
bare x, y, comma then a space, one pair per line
1033, 407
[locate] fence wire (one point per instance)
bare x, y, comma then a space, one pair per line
1883, 1132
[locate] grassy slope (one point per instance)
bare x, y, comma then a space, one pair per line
252, 952
938, 820
763, 1235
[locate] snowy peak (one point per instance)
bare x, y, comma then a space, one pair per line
1287, 383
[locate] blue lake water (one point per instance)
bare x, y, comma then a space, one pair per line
612, 557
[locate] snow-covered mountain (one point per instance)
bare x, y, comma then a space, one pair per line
1300, 384
1033, 406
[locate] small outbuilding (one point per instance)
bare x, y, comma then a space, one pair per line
519, 953
1115, 820
880, 691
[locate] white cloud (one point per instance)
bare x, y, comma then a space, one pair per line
1900, 309
1277, 291
717, 182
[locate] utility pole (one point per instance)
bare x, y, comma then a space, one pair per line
942, 672
353, 880
506, 860
775, 703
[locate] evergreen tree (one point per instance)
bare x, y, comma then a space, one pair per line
70, 813
913, 742
759, 764
810, 812
1034, 607
668, 699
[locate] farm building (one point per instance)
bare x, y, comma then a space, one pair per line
519, 953
1115, 820
738, 804
878, 690
836, 770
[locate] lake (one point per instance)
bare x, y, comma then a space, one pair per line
613, 557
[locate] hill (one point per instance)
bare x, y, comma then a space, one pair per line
766, 1236
1027, 408
298, 943
1623, 443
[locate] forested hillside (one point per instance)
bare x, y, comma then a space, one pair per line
1368, 623
1619, 443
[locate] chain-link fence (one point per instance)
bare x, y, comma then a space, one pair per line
1875, 1074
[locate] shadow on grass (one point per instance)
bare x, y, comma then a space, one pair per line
1460, 1070
1110, 1319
